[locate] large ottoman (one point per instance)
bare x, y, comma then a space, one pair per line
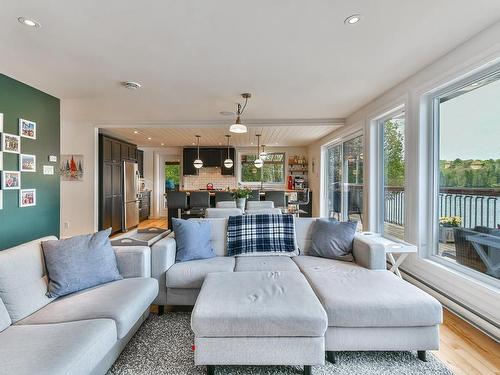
258, 318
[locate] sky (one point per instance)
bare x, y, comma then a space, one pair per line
470, 125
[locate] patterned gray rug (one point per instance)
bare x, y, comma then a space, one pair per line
163, 346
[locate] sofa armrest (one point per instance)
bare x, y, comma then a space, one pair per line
133, 261
162, 258
368, 252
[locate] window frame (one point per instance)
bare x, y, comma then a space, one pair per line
431, 104
380, 170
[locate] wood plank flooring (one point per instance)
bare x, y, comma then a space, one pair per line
463, 348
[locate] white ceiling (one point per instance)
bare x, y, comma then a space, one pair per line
215, 136
195, 57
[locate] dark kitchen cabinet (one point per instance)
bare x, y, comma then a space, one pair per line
112, 153
140, 163
189, 155
211, 157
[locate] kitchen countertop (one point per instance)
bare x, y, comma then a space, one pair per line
262, 192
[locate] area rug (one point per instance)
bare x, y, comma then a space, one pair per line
163, 346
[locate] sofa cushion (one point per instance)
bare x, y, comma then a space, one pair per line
354, 296
193, 240
123, 301
303, 233
333, 239
23, 280
4, 317
51, 349
218, 230
189, 275
262, 304
79, 263
267, 263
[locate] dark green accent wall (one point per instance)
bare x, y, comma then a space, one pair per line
19, 225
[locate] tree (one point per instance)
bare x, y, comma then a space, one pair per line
394, 165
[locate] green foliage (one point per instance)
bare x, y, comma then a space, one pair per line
242, 193
470, 173
173, 172
394, 163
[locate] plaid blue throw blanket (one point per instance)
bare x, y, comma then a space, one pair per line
260, 233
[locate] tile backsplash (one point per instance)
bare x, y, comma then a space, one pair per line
209, 175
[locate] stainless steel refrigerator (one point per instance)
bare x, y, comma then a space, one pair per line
130, 195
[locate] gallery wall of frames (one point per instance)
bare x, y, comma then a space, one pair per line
29, 169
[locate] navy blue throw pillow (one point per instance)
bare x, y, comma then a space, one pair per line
193, 240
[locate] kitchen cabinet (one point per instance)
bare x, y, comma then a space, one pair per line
211, 157
140, 163
112, 153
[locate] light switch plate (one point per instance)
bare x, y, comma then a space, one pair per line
52, 158
48, 169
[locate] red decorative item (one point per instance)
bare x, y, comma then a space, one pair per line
210, 186
290, 183
193, 348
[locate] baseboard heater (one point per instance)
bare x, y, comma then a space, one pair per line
409, 275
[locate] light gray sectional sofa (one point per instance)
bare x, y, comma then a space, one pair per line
368, 307
82, 333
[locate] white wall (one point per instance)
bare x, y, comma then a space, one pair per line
78, 136
473, 54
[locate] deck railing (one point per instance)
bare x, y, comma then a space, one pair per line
476, 207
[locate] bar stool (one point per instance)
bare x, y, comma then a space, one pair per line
255, 196
199, 200
278, 197
302, 200
223, 196
176, 203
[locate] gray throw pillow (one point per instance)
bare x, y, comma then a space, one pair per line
333, 239
193, 240
79, 263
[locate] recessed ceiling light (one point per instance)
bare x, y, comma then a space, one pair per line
131, 85
29, 22
136, 132
149, 138
351, 20
163, 144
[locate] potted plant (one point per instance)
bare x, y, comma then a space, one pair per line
241, 195
446, 228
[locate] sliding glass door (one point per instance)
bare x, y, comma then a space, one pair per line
344, 180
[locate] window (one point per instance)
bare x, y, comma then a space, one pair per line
273, 170
467, 175
344, 180
391, 130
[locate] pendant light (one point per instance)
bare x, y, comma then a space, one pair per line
198, 163
258, 163
263, 153
238, 127
228, 163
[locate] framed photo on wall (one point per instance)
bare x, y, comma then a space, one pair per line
27, 129
27, 163
11, 180
11, 143
27, 197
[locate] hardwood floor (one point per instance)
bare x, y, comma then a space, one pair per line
463, 348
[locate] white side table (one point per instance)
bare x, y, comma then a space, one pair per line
402, 249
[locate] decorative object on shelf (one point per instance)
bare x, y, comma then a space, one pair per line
241, 195
446, 228
11, 180
263, 153
11, 143
27, 129
27, 163
27, 197
258, 161
228, 163
238, 127
198, 163
71, 167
